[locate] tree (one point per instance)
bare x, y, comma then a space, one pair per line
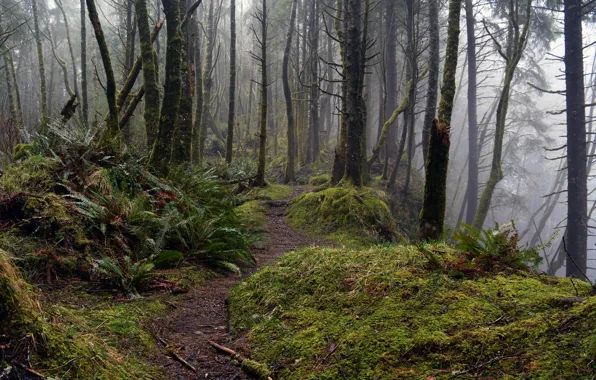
432, 216
290, 175
43, 92
313, 131
516, 46
84, 93
150, 72
472, 117
232, 94
433, 75
261, 16
162, 150
577, 205
207, 81
111, 136
353, 71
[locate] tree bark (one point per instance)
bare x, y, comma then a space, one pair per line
207, 81
260, 179
314, 82
162, 149
232, 94
43, 92
150, 72
339, 160
290, 175
84, 94
432, 216
577, 206
433, 75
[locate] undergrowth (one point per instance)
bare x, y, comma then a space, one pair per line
382, 313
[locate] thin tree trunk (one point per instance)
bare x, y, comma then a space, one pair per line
314, 82
75, 77
42, 69
260, 180
290, 175
207, 81
518, 44
232, 98
84, 94
432, 216
433, 75
150, 73
111, 137
339, 161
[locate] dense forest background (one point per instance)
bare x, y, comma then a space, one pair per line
55, 73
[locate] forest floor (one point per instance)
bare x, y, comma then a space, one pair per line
202, 315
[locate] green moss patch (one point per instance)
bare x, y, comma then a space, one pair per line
344, 214
270, 192
319, 180
378, 313
252, 214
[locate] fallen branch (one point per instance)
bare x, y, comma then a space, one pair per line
172, 352
30, 370
249, 366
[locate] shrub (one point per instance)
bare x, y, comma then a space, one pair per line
125, 275
493, 249
168, 259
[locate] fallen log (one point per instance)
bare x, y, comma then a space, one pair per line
251, 367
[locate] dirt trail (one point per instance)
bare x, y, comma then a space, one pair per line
204, 309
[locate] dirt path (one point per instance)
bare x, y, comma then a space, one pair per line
204, 309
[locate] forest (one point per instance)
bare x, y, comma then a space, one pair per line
297, 189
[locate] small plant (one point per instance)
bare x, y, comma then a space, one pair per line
496, 248
125, 275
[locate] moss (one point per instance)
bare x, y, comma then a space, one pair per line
378, 313
343, 212
256, 369
22, 151
319, 180
252, 214
168, 259
35, 174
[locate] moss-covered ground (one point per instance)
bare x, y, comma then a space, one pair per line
379, 313
348, 216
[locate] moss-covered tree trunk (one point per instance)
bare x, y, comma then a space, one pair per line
207, 80
432, 216
353, 77
232, 93
262, 17
182, 144
413, 71
162, 149
43, 91
84, 93
314, 119
515, 51
198, 94
111, 136
433, 75
290, 175
150, 72
339, 160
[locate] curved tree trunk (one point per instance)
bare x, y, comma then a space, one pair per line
111, 136
290, 175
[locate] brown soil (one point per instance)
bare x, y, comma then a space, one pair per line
202, 314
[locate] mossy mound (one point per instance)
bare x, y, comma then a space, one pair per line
252, 214
319, 180
344, 214
379, 314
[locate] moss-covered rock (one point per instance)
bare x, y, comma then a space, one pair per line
319, 180
379, 313
344, 214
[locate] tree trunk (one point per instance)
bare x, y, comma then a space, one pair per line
207, 81
84, 96
314, 82
42, 69
162, 149
260, 180
432, 216
75, 76
182, 142
232, 98
518, 44
577, 206
150, 72
391, 71
111, 136
198, 94
339, 161
353, 77
290, 175
433, 75
413, 69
